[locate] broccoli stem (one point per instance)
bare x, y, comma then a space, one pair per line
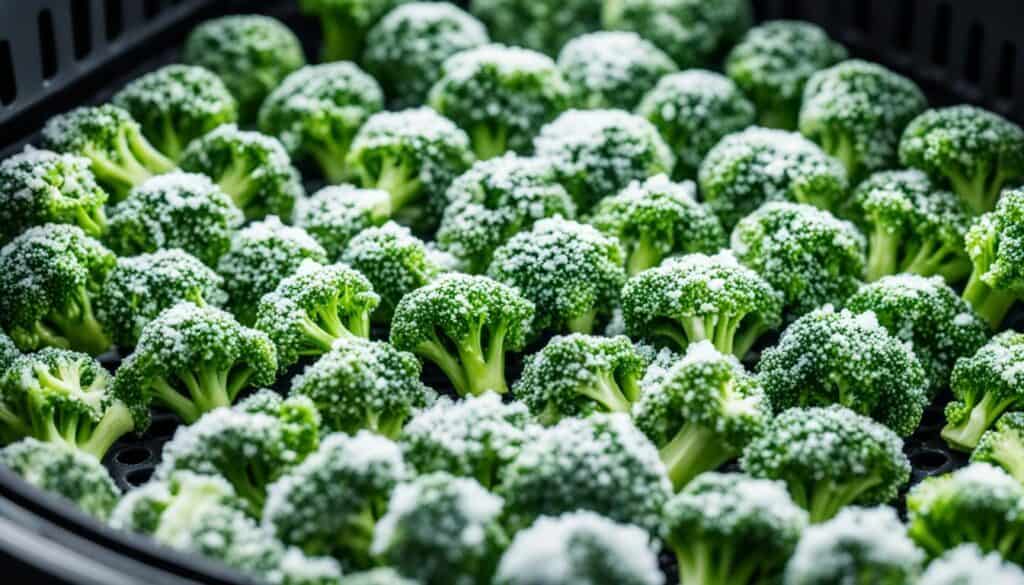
823, 499
436, 352
703, 564
170, 143
79, 326
342, 39
582, 323
1008, 451
117, 421
991, 304
330, 158
94, 223
237, 182
248, 481
318, 341
488, 143
645, 255
980, 191
356, 538
692, 451
965, 434
747, 335
39, 336
780, 116
484, 371
386, 425
147, 157
883, 249
841, 147
606, 392
167, 396
933, 257
399, 178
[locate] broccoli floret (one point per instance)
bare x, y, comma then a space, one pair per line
191, 360
807, 254
773, 62
859, 545
829, 457
755, 166
976, 151
407, 49
985, 386
176, 104
298, 569
1003, 445
928, 316
250, 53
995, 243
337, 213
441, 529
597, 153
541, 25
501, 96
612, 69
8, 352
693, 111
316, 111
70, 474
968, 565
50, 276
39, 187
362, 384
601, 463
978, 504
141, 287
344, 24
731, 529
572, 273
176, 210
913, 226
381, 576
297, 415
857, 111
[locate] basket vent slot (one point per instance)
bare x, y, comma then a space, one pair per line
114, 18
47, 44
81, 29
8, 88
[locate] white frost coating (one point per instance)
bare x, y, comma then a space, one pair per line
507, 60
702, 351
968, 565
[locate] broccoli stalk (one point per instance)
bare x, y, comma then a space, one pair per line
398, 175
994, 245
489, 141
1004, 445
992, 304
206, 386
476, 365
692, 451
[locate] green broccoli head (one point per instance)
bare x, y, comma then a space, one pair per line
995, 244
979, 504
50, 276
337, 213
773, 62
8, 352
298, 569
501, 96
985, 385
612, 69
967, 564
176, 210
141, 287
829, 457
70, 474
572, 273
316, 111
344, 24
39, 187
176, 104
250, 53
693, 110
120, 156
1003, 445
298, 417
542, 25
857, 111
732, 529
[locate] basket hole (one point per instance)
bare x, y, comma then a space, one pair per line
139, 476
114, 19
940, 40
132, 456
904, 38
8, 87
47, 44
81, 29
862, 16
928, 460
972, 66
1006, 71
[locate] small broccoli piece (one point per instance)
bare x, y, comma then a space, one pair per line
807, 254
176, 104
1003, 445
693, 110
985, 386
501, 96
330, 503
298, 569
172, 506
344, 24
731, 529
70, 474
316, 111
362, 384
176, 210
540, 25
191, 360
601, 463
914, 226
995, 243
978, 504
968, 565
250, 53
407, 49
381, 576
337, 213
572, 273
773, 62
141, 287
857, 111
8, 352
829, 457
50, 277
297, 415
39, 187
612, 69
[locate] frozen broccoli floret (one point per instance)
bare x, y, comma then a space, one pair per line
251, 54
773, 62
344, 24
50, 277
8, 352
985, 385
693, 110
176, 210
316, 111
1003, 445
39, 187
601, 463
612, 69
337, 213
597, 153
296, 568
758, 165
407, 49
176, 104
731, 529
191, 360
141, 287
70, 474
857, 111
914, 226
978, 504
995, 244
541, 25
968, 565
829, 458
501, 96
859, 545
169, 510
381, 576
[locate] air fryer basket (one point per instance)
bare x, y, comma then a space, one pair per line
56, 54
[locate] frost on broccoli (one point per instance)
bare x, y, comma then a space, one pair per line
1003, 445
344, 24
967, 564
829, 458
8, 352
612, 69
541, 25
167, 510
337, 213
995, 244
316, 111
381, 576
50, 277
